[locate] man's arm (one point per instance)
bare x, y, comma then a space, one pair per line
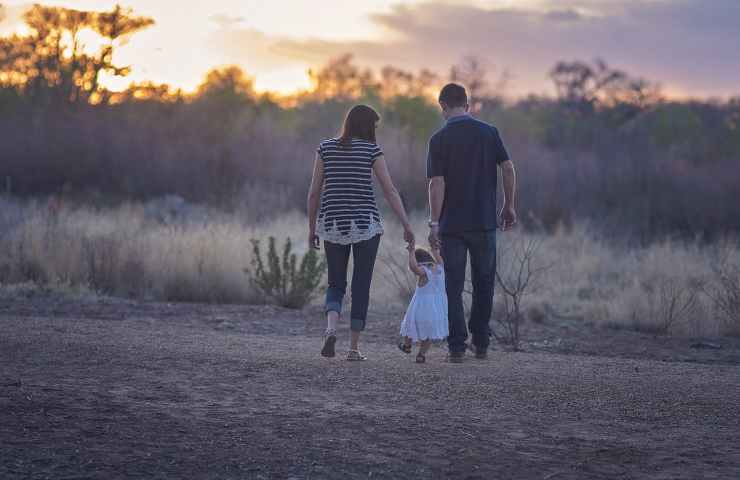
508, 212
436, 198
436, 169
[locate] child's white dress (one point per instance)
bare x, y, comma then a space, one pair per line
426, 317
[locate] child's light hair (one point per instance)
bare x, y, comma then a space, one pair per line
422, 256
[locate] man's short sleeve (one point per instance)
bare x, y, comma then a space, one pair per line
499, 149
435, 159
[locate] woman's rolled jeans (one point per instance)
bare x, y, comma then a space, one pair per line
337, 259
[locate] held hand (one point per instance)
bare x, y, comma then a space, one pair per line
408, 236
434, 240
313, 240
508, 218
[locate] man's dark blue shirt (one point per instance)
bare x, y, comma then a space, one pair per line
467, 152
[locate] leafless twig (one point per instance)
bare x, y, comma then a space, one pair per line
514, 282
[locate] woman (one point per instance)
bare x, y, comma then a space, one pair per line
349, 220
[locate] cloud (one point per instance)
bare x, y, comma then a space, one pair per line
249, 47
688, 45
568, 15
225, 20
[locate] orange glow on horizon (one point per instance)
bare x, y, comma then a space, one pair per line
273, 42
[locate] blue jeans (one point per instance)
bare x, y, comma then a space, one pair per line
337, 259
482, 248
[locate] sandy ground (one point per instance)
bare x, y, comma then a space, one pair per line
111, 389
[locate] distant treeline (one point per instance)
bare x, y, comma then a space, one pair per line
607, 148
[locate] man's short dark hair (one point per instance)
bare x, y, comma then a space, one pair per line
453, 95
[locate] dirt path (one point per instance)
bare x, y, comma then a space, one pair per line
159, 393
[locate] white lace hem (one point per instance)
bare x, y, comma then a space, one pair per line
354, 235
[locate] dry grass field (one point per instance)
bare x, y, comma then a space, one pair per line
171, 251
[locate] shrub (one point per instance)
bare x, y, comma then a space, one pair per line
514, 274
279, 279
670, 302
725, 293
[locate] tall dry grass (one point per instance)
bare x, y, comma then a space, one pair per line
171, 251
135, 252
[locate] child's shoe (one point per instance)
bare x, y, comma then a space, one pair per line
404, 347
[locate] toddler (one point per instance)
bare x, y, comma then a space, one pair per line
426, 316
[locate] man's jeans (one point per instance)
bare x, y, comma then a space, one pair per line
482, 248
363, 258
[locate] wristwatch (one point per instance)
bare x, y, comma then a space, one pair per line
433, 224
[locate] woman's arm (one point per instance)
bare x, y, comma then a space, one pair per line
394, 198
314, 195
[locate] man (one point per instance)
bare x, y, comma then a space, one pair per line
462, 168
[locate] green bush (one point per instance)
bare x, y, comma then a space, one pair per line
279, 279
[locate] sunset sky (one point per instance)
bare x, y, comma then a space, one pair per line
690, 46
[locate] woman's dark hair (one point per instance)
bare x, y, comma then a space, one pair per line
360, 123
423, 256
453, 95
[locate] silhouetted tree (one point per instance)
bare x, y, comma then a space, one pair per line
51, 64
148, 92
115, 27
472, 73
395, 82
227, 83
579, 84
225, 145
583, 87
341, 79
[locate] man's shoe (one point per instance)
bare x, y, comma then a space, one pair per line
455, 357
481, 353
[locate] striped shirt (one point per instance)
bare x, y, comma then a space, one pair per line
349, 213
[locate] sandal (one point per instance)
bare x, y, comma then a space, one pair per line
420, 358
404, 347
355, 356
